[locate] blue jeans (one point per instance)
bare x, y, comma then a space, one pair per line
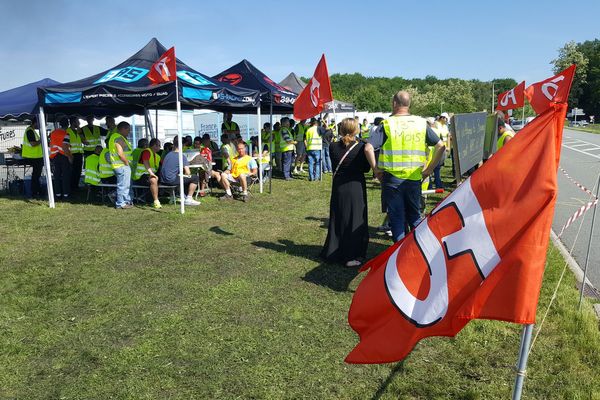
286, 161
314, 165
437, 177
124, 190
403, 199
326, 159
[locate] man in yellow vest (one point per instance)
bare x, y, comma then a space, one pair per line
92, 163
364, 130
120, 160
299, 134
286, 146
504, 134
91, 134
229, 127
146, 169
403, 140
33, 155
314, 145
77, 143
242, 167
440, 127
111, 128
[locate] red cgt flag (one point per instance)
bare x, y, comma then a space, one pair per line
165, 69
513, 98
552, 90
313, 97
479, 254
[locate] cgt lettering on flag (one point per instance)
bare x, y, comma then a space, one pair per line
313, 97
466, 209
164, 70
513, 98
555, 89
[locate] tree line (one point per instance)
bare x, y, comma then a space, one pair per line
585, 92
430, 95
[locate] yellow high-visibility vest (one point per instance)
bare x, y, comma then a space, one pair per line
404, 152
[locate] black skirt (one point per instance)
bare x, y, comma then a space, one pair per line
348, 233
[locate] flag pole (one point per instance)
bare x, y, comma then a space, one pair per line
522, 363
271, 152
180, 140
587, 255
46, 153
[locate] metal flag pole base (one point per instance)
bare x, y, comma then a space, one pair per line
522, 363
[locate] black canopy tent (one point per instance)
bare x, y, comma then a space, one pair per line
273, 97
126, 90
293, 83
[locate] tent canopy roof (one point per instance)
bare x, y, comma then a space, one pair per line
293, 83
126, 89
22, 102
246, 75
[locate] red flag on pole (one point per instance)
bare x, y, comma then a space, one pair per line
479, 254
313, 97
165, 69
513, 98
552, 90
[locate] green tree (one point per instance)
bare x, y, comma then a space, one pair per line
571, 54
589, 99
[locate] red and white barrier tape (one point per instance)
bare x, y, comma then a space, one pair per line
579, 185
432, 191
577, 214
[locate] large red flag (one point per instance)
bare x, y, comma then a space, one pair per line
164, 69
513, 98
313, 97
552, 90
479, 254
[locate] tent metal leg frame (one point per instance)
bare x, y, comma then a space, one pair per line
180, 140
44, 139
522, 363
259, 150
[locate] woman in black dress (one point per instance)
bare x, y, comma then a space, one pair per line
348, 234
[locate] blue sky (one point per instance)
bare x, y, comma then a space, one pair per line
68, 40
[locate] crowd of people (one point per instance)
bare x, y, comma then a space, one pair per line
405, 153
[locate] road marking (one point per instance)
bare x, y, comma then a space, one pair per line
573, 143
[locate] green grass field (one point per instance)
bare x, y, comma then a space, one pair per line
230, 301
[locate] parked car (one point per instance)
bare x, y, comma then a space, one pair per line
581, 123
517, 125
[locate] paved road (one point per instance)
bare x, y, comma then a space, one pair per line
581, 159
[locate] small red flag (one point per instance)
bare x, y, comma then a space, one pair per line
513, 98
165, 69
313, 97
479, 254
552, 90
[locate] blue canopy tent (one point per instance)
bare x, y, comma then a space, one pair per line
126, 89
21, 103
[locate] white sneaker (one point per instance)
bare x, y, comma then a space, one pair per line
191, 202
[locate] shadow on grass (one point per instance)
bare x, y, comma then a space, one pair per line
334, 276
383, 387
219, 231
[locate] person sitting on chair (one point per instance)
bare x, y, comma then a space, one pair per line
169, 174
146, 169
242, 167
